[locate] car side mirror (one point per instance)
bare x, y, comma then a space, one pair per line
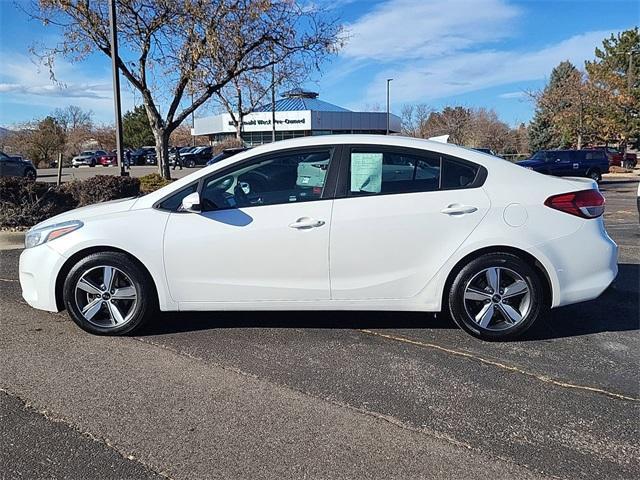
191, 203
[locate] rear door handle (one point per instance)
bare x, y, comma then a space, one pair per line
306, 222
457, 209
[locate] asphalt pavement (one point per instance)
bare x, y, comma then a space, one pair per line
328, 394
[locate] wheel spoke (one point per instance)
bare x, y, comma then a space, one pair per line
493, 278
516, 288
88, 286
114, 313
485, 315
93, 307
107, 278
475, 294
124, 293
511, 315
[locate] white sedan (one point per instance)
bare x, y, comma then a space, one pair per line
349, 222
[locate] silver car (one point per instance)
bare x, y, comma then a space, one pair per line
88, 157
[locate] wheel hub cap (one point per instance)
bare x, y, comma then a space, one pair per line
497, 298
106, 297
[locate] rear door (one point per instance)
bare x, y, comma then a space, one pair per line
391, 231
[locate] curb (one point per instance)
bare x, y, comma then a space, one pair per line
11, 240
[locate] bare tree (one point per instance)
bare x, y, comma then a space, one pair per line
169, 45
77, 125
414, 120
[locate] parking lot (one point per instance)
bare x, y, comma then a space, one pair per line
349, 395
50, 175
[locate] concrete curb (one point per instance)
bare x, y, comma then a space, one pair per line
11, 240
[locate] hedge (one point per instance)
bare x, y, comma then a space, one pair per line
24, 203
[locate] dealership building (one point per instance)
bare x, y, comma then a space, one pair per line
298, 113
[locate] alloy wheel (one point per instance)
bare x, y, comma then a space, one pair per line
497, 298
106, 297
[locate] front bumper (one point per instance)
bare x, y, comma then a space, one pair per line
39, 267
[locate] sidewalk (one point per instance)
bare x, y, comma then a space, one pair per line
11, 240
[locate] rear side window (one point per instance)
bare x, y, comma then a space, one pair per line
387, 172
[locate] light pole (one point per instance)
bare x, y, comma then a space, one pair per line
388, 85
116, 84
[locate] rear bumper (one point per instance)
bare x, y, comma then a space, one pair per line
585, 262
39, 267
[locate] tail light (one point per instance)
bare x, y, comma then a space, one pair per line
584, 203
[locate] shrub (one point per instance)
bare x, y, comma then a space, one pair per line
152, 182
102, 188
24, 203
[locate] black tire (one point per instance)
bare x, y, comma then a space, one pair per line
498, 329
595, 174
92, 164
30, 174
191, 164
137, 312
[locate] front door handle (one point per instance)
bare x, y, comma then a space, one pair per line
457, 209
306, 222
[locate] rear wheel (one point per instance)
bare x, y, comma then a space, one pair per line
191, 164
497, 296
108, 294
595, 174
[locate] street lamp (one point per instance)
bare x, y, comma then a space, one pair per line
116, 84
388, 84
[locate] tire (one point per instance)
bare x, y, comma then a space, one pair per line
92, 164
30, 174
191, 164
468, 299
137, 302
595, 174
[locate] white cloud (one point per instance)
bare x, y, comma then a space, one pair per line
24, 82
510, 95
471, 71
417, 29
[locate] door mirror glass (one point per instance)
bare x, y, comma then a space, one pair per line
191, 203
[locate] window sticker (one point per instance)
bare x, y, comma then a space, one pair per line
366, 172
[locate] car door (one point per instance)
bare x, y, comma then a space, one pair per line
262, 235
389, 237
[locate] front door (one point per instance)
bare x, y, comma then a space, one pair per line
392, 233
263, 234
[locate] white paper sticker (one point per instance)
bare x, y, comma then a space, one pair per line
366, 172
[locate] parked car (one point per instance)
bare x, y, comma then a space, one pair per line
590, 163
226, 153
144, 156
618, 158
197, 156
16, 166
491, 243
177, 152
108, 159
88, 157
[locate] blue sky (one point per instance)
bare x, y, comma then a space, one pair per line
439, 52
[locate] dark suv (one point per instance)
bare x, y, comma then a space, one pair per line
570, 163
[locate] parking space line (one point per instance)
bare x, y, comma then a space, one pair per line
542, 378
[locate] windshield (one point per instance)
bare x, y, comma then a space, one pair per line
538, 156
87, 153
3, 155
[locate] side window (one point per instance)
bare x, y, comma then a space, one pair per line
392, 172
457, 174
287, 177
174, 201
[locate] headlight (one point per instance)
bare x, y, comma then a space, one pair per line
42, 235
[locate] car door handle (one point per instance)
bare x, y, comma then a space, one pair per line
306, 222
457, 209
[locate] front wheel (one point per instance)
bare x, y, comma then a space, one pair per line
191, 164
107, 293
497, 296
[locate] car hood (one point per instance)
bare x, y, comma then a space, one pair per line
528, 163
90, 211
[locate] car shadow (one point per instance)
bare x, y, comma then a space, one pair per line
615, 311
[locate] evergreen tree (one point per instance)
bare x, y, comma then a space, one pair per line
136, 129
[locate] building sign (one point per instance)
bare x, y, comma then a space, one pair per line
261, 121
